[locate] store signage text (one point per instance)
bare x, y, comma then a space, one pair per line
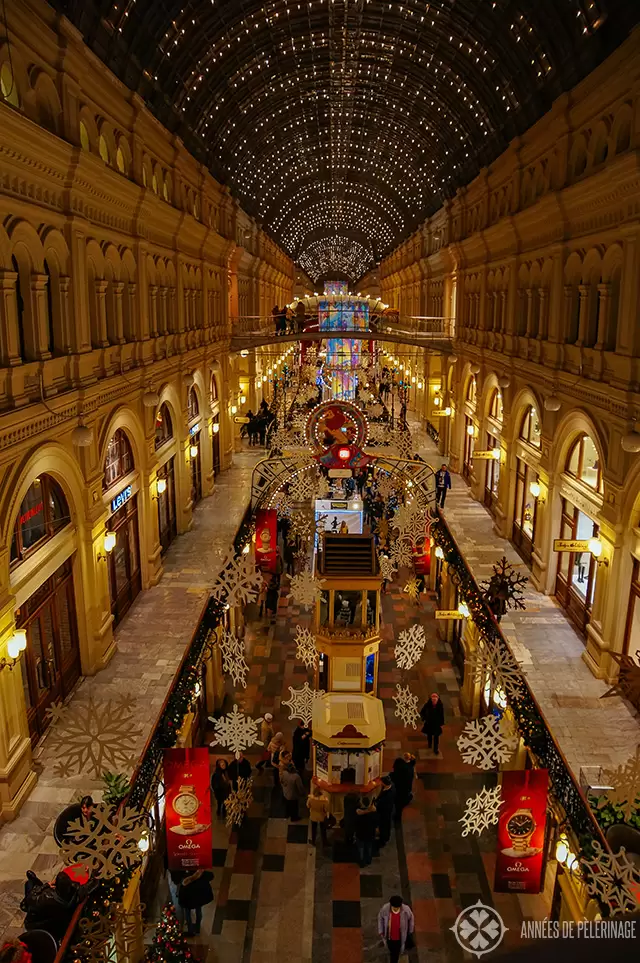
241, 420
31, 513
571, 544
448, 614
121, 498
194, 429
340, 473
487, 453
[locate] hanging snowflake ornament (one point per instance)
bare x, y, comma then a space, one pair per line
281, 440
303, 524
497, 662
90, 737
283, 505
487, 742
233, 658
612, 878
625, 783
376, 409
306, 650
303, 487
235, 731
483, 810
402, 552
301, 702
412, 589
238, 802
410, 521
97, 943
322, 487
411, 643
107, 841
407, 706
387, 567
305, 589
365, 397
238, 581
403, 442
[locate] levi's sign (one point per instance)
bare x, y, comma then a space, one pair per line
121, 498
571, 544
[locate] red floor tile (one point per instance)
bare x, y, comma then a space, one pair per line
346, 881
426, 916
346, 946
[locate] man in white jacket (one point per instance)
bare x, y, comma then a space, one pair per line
395, 926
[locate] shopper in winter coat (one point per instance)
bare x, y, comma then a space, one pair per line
301, 749
318, 814
395, 926
385, 803
221, 784
292, 790
366, 823
51, 907
195, 892
240, 768
351, 803
266, 735
276, 748
402, 778
432, 714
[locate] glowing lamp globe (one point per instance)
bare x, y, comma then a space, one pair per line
344, 454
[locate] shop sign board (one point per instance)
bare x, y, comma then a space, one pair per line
440, 413
188, 808
241, 420
194, 429
266, 539
121, 498
487, 453
521, 831
340, 473
448, 614
571, 544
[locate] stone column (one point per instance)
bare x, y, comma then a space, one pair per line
583, 317
470, 691
604, 308
66, 319
153, 310
36, 312
101, 314
9, 338
528, 329
118, 320
134, 317
542, 317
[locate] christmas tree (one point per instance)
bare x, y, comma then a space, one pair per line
169, 945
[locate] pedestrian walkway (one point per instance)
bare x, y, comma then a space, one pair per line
151, 642
590, 731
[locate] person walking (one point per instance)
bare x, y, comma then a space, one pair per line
221, 784
289, 558
195, 892
443, 484
385, 803
301, 312
402, 778
366, 823
266, 735
318, 814
395, 927
272, 596
240, 768
276, 747
275, 314
432, 714
301, 748
292, 790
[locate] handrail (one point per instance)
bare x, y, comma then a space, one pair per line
529, 716
71, 928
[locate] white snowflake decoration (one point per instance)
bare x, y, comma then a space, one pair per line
498, 663
612, 878
365, 397
487, 742
323, 487
407, 706
402, 552
107, 842
282, 439
411, 643
376, 410
483, 810
412, 589
238, 581
305, 589
387, 567
303, 487
238, 802
301, 702
233, 658
410, 521
386, 486
625, 780
235, 731
89, 737
283, 505
306, 650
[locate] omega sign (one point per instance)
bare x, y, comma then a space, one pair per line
121, 498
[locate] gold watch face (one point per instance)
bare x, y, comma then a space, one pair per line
186, 804
521, 825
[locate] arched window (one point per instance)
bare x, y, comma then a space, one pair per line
84, 137
119, 459
583, 462
213, 389
495, 407
164, 428
43, 512
530, 428
193, 408
8, 86
19, 309
103, 148
120, 163
471, 392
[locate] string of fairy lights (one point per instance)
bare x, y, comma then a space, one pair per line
335, 118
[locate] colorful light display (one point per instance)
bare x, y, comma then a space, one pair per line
338, 312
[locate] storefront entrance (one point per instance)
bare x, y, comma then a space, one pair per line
524, 512
576, 576
51, 664
124, 561
492, 477
167, 527
215, 445
196, 469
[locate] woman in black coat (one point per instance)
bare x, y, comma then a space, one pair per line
432, 714
221, 784
402, 778
194, 893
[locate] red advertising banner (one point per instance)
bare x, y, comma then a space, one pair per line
521, 832
266, 539
188, 808
422, 554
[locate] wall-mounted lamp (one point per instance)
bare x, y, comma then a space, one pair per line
193, 451
109, 543
420, 385
495, 454
246, 549
16, 644
470, 431
234, 409
536, 490
463, 609
243, 399
215, 428
436, 400
447, 410
595, 547
161, 487
143, 843
439, 552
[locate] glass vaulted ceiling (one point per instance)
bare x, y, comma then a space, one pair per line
341, 124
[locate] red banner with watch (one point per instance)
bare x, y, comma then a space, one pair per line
266, 539
188, 808
521, 832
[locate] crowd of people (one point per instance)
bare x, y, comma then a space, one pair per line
288, 321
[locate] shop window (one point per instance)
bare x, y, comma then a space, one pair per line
119, 460
213, 389
583, 462
8, 86
164, 428
193, 408
19, 310
44, 512
467, 463
471, 392
492, 478
632, 629
524, 510
530, 428
576, 574
120, 162
495, 407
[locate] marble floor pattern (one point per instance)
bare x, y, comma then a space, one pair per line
590, 731
151, 642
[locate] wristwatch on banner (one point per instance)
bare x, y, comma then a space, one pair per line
186, 805
520, 828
